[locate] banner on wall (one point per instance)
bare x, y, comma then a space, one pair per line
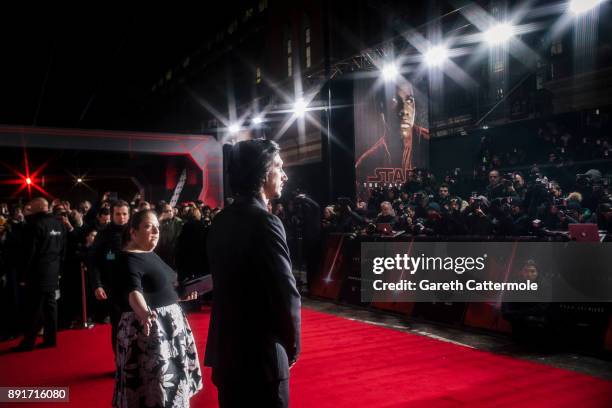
391, 132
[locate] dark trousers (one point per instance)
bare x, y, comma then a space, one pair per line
10, 306
41, 307
251, 393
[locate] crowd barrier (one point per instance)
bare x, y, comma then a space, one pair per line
587, 326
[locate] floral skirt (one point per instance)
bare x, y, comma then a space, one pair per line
158, 370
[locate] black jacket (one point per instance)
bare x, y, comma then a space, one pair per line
107, 245
254, 330
45, 249
191, 259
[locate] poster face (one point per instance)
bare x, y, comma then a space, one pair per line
391, 132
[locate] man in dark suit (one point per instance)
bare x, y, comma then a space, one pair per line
45, 249
254, 333
105, 248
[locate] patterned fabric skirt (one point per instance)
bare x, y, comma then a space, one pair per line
158, 370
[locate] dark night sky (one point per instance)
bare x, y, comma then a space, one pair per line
107, 58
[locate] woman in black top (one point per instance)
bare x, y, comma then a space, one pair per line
157, 361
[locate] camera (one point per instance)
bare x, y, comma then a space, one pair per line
584, 180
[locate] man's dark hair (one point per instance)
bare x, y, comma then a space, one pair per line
118, 203
103, 211
249, 163
160, 204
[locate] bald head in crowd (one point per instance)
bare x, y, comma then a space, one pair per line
39, 205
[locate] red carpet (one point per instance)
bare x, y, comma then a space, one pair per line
344, 364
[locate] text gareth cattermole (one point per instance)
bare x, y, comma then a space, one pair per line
413, 264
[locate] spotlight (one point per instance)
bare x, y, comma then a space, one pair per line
389, 72
499, 33
578, 7
436, 55
233, 128
299, 107
28, 181
257, 120
79, 180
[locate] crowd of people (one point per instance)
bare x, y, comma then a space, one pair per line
92, 236
131, 261
105, 255
507, 204
536, 200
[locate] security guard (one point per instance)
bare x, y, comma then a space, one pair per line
45, 246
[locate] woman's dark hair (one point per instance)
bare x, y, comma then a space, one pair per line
134, 223
249, 163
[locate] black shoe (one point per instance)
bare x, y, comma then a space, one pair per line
47, 345
22, 347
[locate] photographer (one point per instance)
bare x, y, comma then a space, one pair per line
70, 279
604, 215
455, 218
477, 219
498, 186
347, 219
554, 217
328, 221
520, 220
591, 186
435, 224
519, 184
405, 219
443, 198
421, 200
386, 215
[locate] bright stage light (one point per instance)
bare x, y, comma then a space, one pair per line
499, 33
389, 72
578, 7
436, 55
299, 107
79, 180
257, 120
28, 181
233, 128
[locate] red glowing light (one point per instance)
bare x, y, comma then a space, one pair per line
27, 180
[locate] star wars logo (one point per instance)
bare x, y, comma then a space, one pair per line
388, 175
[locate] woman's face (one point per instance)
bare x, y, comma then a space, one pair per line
146, 236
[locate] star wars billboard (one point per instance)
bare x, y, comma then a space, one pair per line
391, 132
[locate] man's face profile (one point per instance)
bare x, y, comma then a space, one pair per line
275, 179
